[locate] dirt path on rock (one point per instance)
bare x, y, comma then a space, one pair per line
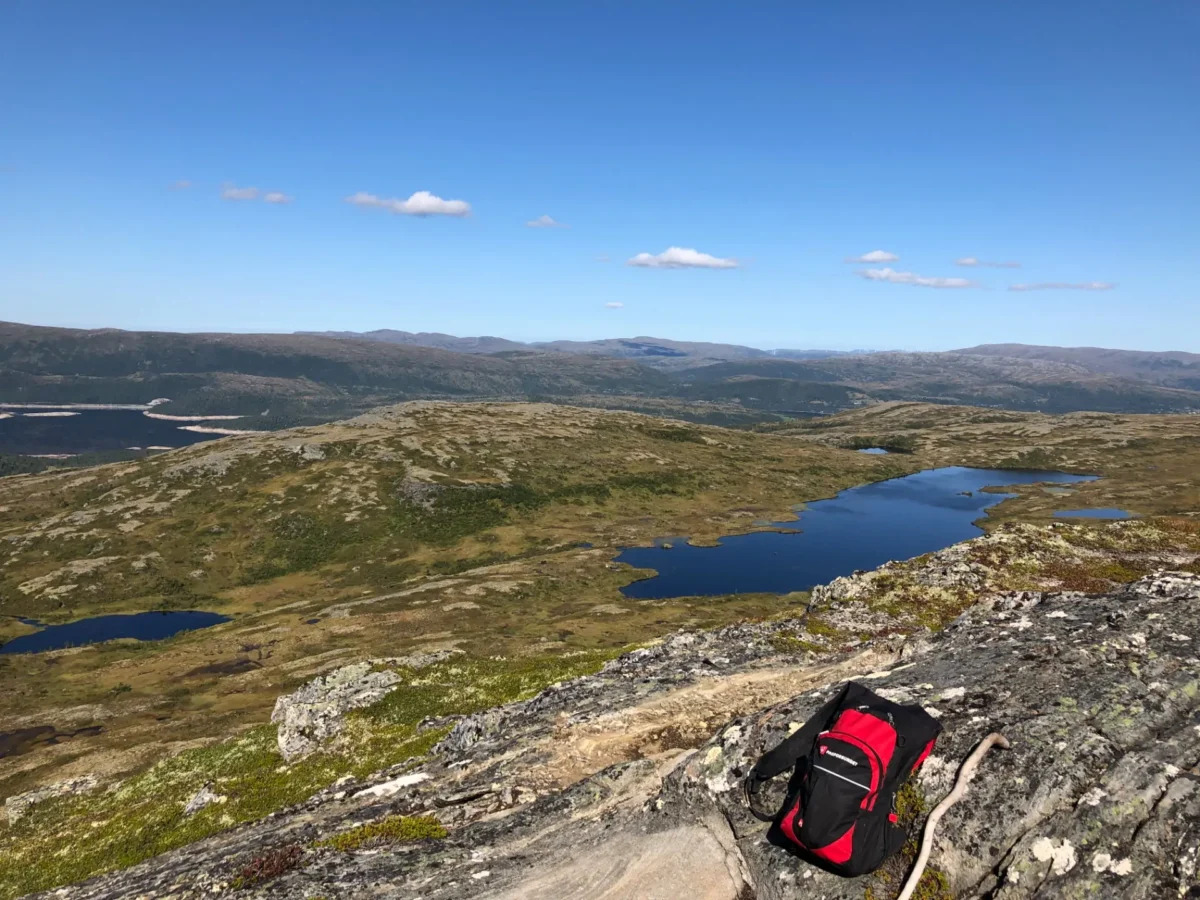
684, 718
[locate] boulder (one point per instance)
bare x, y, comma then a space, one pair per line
316, 712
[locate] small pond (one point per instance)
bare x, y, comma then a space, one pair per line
860, 528
1100, 513
874, 451
147, 626
23, 740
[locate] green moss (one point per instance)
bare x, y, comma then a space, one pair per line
818, 626
790, 643
392, 830
461, 687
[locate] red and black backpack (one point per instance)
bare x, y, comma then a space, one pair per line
848, 761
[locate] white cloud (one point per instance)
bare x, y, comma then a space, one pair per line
891, 275
277, 197
181, 184
422, 203
616, 304
875, 256
545, 222
1064, 286
232, 192
972, 261
681, 258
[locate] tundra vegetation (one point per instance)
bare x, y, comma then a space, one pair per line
479, 536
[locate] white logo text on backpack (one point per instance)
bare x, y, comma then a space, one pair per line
837, 755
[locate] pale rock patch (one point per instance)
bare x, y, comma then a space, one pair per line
316, 712
18, 806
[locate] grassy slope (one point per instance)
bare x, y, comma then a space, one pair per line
422, 527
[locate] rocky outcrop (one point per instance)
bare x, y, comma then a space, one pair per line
625, 784
17, 806
315, 713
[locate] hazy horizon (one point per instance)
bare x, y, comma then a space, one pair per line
766, 346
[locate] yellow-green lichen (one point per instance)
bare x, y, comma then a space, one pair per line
391, 830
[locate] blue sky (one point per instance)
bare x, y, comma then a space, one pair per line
782, 138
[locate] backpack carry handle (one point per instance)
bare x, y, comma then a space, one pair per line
790, 751
750, 788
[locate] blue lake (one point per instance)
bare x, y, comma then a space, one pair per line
92, 430
861, 528
147, 626
1099, 513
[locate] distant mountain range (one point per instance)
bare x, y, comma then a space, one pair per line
287, 379
659, 353
426, 339
1172, 368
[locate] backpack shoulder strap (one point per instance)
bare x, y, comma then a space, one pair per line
790, 751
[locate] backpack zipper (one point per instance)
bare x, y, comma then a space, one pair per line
843, 777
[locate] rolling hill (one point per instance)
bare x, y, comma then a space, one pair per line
1171, 369
298, 378
482, 344
951, 377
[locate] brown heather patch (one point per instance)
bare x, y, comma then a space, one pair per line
267, 867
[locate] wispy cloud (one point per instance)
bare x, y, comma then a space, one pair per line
233, 192
972, 261
875, 256
230, 191
681, 258
911, 278
545, 222
615, 304
181, 185
603, 258
422, 203
1063, 286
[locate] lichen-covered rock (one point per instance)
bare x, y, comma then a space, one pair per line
585, 791
315, 713
204, 797
17, 806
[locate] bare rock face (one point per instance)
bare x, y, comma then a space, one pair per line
582, 792
18, 806
315, 713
